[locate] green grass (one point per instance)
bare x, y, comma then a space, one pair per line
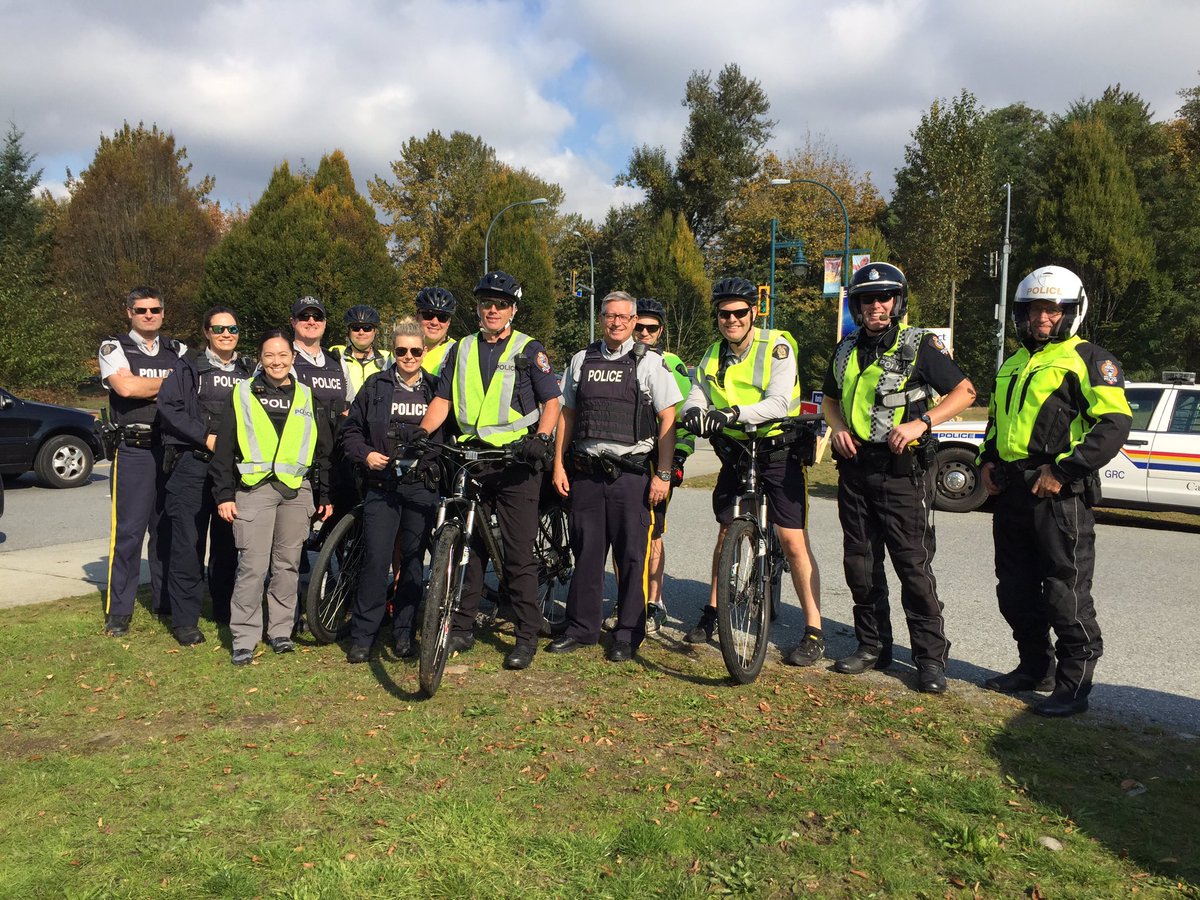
136, 768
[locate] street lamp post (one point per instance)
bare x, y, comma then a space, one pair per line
1004, 275
591, 286
799, 263
778, 182
487, 237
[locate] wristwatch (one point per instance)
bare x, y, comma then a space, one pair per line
928, 424
663, 475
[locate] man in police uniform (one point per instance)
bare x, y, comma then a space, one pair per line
1058, 414
877, 392
435, 309
133, 368
500, 388
361, 358
747, 377
618, 421
649, 330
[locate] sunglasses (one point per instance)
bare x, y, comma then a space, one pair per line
221, 329
429, 315
146, 310
493, 303
362, 327
415, 352
649, 329
310, 317
739, 314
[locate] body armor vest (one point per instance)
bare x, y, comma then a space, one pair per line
214, 385
328, 382
609, 405
133, 411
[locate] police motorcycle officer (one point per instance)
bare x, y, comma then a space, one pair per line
500, 389
747, 377
270, 479
878, 392
651, 323
399, 508
435, 309
613, 460
133, 367
360, 357
190, 405
1057, 415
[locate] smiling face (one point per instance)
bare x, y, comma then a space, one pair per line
435, 324
1044, 316
618, 318
309, 325
735, 318
362, 337
221, 340
276, 356
495, 313
648, 330
876, 310
409, 352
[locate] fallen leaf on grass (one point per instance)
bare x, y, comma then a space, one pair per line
308, 865
860, 874
252, 691
764, 706
351, 856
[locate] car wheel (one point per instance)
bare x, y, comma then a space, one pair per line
959, 486
63, 461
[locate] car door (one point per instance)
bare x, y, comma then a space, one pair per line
17, 428
1175, 453
1124, 478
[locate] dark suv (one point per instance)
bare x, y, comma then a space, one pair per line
59, 443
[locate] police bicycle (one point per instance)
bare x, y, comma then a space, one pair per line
459, 515
751, 565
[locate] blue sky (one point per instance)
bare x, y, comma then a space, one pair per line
564, 89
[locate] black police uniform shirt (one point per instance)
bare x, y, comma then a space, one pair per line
326, 377
216, 380
933, 366
383, 401
192, 401
538, 386
154, 360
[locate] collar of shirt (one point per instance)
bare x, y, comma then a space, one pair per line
729, 356
150, 348
218, 363
619, 352
318, 360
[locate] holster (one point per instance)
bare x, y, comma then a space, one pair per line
171, 454
139, 436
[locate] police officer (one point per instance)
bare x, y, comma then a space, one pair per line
651, 322
190, 405
747, 377
501, 390
618, 423
133, 367
272, 449
361, 358
877, 404
435, 309
1057, 415
398, 512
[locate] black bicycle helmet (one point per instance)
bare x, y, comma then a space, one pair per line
362, 315
498, 284
436, 298
648, 306
734, 288
876, 278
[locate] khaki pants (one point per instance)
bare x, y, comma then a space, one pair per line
269, 533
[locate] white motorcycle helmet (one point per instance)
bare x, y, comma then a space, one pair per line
1058, 285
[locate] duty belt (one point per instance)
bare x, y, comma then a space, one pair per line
138, 435
610, 465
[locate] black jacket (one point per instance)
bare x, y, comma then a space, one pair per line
366, 426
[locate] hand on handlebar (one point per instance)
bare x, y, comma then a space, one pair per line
717, 420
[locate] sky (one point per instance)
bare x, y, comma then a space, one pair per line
564, 89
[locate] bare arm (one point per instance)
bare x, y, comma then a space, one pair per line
134, 387
435, 415
839, 432
566, 427
953, 403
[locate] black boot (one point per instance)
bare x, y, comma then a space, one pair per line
703, 631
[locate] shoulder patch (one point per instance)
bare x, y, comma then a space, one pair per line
543, 361
781, 351
1109, 372
108, 347
936, 342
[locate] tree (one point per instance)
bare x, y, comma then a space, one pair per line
727, 129
135, 218
943, 201
670, 268
308, 234
40, 349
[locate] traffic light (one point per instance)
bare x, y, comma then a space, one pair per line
764, 299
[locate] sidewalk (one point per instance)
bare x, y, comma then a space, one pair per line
43, 574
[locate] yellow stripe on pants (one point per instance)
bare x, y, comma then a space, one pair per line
112, 532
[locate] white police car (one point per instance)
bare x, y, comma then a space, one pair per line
1158, 468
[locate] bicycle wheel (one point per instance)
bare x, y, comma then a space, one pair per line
441, 599
743, 607
555, 567
333, 584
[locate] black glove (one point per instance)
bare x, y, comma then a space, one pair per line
695, 420
427, 470
718, 420
412, 434
535, 452
677, 470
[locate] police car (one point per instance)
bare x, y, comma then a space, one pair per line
59, 443
1158, 468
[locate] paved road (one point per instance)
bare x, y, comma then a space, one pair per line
1145, 589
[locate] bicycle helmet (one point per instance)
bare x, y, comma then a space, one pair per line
498, 284
648, 306
437, 299
362, 315
735, 288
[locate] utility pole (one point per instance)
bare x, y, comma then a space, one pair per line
1004, 275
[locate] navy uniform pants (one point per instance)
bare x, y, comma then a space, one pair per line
512, 494
609, 512
878, 509
1045, 555
400, 519
137, 507
194, 522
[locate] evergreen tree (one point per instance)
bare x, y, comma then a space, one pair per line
670, 268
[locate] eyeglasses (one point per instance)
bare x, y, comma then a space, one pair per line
362, 327
1053, 314
221, 329
415, 352
649, 329
146, 310
739, 314
429, 315
616, 317
310, 317
494, 303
